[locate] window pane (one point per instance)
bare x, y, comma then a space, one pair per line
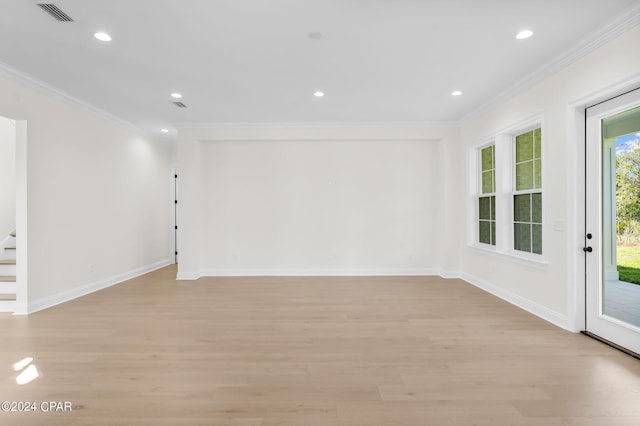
538, 173
484, 211
524, 176
527, 208
522, 237
536, 239
485, 232
524, 147
493, 208
536, 208
487, 182
522, 208
487, 158
493, 233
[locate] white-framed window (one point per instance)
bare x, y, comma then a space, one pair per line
506, 191
527, 192
487, 196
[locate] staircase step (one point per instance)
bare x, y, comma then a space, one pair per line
7, 262
13, 234
7, 306
9, 253
8, 287
7, 279
8, 270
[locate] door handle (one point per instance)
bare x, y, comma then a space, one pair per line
587, 249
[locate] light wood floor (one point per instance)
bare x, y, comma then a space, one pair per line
310, 352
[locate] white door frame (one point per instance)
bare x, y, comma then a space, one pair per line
22, 269
599, 261
575, 154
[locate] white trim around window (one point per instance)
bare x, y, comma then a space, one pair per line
505, 189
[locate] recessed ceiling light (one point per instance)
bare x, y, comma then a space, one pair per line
102, 36
524, 34
176, 95
318, 94
164, 130
456, 93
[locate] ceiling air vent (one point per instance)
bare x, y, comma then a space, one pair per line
179, 104
55, 12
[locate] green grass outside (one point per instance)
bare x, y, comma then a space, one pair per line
629, 263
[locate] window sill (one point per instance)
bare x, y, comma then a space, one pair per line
532, 260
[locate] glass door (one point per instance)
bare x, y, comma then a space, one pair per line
612, 237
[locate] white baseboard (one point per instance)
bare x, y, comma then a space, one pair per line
188, 275
50, 301
448, 274
534, 308
20, 309
313, 272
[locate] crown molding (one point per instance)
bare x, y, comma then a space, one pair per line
34, 83
615, 27
320, 125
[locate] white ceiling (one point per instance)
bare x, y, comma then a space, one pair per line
252, 61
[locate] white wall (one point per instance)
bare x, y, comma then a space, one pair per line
550, 290
309, 201
7, 177
319, 205
97, 201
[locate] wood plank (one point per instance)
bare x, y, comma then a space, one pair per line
329, 351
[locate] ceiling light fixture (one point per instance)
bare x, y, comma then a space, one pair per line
176, 95
456, 93
318, 94
316, 35
102, 36
524, 34
164, 130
